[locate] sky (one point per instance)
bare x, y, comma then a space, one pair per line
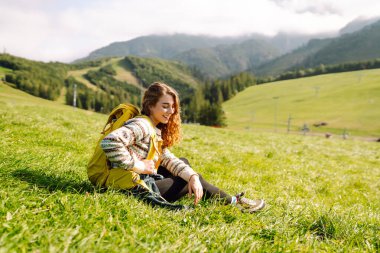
65, 30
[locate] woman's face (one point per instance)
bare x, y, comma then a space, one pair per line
163, 110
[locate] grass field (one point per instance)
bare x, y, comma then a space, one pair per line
3, 71
348, 101
321, 194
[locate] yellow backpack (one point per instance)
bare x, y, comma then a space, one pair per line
98, 169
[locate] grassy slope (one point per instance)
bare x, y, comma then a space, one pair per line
3, 71
322, 194
79, 75
122, 74
346, 100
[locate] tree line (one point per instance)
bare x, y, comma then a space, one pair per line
206, 104
323, 69
46, 80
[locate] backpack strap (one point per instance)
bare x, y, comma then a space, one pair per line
119, 115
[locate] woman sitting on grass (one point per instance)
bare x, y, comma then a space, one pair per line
128, 147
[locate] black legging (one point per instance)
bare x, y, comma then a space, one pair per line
173, 188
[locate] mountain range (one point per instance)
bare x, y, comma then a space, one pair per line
214, 56
218, 57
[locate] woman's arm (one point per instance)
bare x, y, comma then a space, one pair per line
176, 166
116, 144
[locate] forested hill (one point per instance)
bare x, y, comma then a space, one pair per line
37, 78
102, 84
362, 45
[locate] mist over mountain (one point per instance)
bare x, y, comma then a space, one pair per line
357, 24
160, 46
286, 42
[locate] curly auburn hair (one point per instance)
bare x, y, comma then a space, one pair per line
171, 132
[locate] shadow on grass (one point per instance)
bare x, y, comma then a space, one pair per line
69, 182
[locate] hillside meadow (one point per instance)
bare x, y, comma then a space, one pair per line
3, 71
345, 101
321, 194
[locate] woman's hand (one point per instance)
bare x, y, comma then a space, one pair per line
145, 167
195, 187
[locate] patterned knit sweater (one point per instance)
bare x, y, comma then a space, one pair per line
129, 144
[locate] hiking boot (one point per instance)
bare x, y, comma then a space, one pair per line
248, 205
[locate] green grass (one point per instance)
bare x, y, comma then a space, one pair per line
348, 100
321, 194
4, 71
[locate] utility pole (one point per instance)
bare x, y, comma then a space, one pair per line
75, 95
275, 113
316, 90
345, 134
253, 118
289, 120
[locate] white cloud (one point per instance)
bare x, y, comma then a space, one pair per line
344, 8
65, 30
21, 33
